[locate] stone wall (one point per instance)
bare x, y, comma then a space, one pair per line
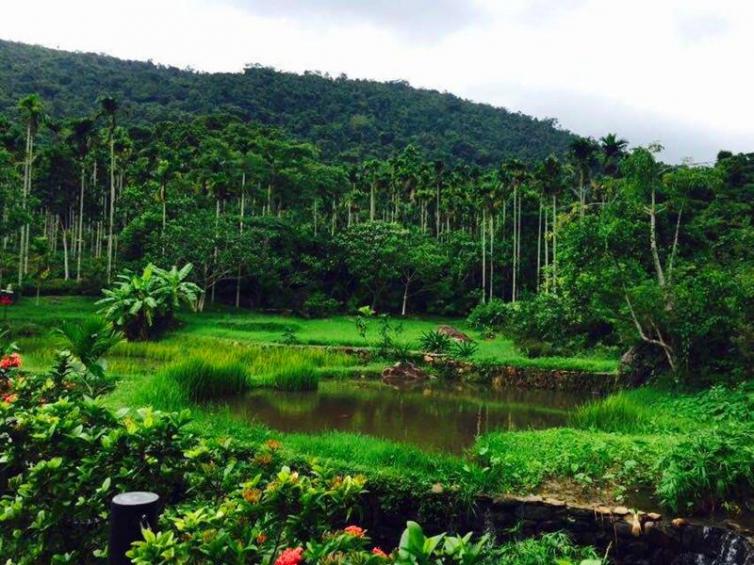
627, 538
631, 538
505, 376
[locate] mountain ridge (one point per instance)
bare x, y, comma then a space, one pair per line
349, 119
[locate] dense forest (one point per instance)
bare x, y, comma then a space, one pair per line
598, 246
347, 119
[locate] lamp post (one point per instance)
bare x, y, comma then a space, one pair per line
129, 513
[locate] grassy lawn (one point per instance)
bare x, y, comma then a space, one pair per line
260, 328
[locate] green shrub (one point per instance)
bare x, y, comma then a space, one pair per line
203, 380
545, 325
296, 377
144, 305
435, 342
708, 467
494, 314
319, 305
464, 349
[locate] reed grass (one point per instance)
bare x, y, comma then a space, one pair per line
202, 380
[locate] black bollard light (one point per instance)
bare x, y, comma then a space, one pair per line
129, 513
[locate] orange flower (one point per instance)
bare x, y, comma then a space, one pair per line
355, 531
252, 495
379, 553
263, 459
10, 398
261, 538
273, 444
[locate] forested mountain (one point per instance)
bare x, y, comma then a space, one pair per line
348, 119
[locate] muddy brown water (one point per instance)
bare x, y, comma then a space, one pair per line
434, 418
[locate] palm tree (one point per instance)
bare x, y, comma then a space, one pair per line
612, 148
550, 177
109, 108
516, 173
31, 107
80, 138
583, 150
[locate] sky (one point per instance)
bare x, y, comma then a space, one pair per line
676, 72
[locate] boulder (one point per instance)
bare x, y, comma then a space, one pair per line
641, 363
453, 333
404, 373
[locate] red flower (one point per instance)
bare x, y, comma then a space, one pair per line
355, 531
10, 398
11, 361
379, 553
291, 557
5, 300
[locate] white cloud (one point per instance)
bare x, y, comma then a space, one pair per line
673, 70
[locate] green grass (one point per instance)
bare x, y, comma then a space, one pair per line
258, 328
204, 379
296, 377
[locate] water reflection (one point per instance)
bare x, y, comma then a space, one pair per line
432, 418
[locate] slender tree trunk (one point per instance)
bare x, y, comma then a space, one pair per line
372, 202
539, 244
547, 254
653, 241
404, 306
215, 250
515, 241
554, 243
437, 212
80, 242
112, 209
65, 251
484, 255
492, 254
240, 231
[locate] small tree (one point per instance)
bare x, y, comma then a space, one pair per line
144, 305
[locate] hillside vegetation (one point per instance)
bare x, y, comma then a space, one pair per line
346, 118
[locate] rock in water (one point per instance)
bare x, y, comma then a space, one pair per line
403, 373
453, 333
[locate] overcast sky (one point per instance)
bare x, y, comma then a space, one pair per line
674, 71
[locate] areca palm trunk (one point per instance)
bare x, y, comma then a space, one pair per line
112, 208
515, 241
554, 243
240, 232
492, 254
484, 255
80, 240
539, 244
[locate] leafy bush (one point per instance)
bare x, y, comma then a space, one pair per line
203, 379
495, 314
545, 325
435, 342
319, 305
144, 305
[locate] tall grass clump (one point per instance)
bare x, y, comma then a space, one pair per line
296, 377
617, 413
202, 379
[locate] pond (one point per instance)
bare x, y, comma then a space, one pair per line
431, 417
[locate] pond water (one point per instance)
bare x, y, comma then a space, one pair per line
431, 417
